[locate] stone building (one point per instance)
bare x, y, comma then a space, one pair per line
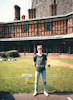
46, 8
54, 32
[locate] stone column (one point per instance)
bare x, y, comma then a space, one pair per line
34, 49
46, 51
69, 48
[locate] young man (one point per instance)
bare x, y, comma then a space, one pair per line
40, 63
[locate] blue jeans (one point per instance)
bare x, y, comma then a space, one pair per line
37, 74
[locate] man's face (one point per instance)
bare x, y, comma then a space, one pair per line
39, 49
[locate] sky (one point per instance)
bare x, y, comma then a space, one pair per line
7, 9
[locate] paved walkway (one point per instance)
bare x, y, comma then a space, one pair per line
40, 96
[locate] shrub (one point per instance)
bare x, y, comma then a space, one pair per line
3, 55
12, 53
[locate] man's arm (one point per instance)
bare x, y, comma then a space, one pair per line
45, 62
34, 60
35, 63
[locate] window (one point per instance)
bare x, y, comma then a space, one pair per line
11, 29
18, 28
24, 28
54, 1
48, 26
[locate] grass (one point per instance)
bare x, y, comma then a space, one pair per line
70, 61
25, 65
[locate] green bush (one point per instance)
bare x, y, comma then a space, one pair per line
3, 55
12, 53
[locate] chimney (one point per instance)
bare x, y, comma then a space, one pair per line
32, 13
53, 8
23, 17
17, 12
29, 14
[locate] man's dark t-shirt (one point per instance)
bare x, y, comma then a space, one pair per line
40, 62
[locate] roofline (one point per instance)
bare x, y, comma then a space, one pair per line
2, 23
35, 19
38, 38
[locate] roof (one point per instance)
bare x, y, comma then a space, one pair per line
49, 37
43, 18
2, 23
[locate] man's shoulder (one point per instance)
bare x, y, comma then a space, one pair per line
44, 54
35, 55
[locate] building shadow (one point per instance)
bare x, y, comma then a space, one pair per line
6, 96
61, 93
57, 93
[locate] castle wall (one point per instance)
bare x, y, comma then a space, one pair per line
64, 6
43, 8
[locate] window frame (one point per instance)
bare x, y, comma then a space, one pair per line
11, 29
24, 28
47, 24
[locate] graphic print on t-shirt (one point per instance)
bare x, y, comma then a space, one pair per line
39, 60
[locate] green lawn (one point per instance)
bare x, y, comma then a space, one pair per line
25, 65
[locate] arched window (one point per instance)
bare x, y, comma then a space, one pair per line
54, 1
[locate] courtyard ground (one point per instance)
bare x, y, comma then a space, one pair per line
40, 96
59, 75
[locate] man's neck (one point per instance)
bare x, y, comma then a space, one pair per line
40, 54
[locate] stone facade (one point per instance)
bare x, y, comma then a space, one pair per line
43, 8
64, 6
